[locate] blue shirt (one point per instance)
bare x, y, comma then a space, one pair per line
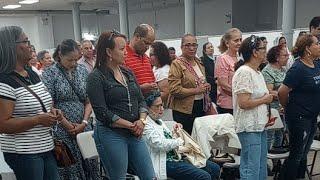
304, 99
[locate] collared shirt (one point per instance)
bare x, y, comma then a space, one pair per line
87, 64
109, 98
140, 66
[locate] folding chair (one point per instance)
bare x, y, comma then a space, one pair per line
6, 172
88, 149
273, 156
220, 144
315, 147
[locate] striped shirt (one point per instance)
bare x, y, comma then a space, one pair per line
140, 66
37, 139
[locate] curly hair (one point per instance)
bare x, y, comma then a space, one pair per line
274, 53
161, 51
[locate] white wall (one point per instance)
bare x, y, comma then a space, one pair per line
28, 23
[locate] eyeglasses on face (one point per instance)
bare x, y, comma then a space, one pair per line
189, 45
24, 41
158, 106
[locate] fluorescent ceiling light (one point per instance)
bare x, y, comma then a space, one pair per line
11, 6
28, 1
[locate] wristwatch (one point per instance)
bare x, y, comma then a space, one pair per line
144, 121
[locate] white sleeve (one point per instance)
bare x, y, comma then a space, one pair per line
242, 82
157, 140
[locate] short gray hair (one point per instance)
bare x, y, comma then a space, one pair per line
41, 54
9, 35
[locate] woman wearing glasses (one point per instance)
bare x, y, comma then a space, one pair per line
224, 68
300, 96
162, 145
25, 137
250, 99
187, 85
120, 110
274, 74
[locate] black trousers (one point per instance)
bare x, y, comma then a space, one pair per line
187, 119
301, 133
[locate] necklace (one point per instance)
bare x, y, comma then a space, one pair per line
127, 88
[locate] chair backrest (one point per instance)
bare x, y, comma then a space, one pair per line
87, 145
220, 142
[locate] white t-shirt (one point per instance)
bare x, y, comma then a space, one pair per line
247, 80
161, 73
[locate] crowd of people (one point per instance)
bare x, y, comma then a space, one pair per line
132, 94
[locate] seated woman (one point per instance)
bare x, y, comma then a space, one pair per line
161, 145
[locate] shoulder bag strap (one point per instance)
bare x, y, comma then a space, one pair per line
31, 91
71, 84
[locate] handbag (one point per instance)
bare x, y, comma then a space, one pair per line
61, 151
191, 150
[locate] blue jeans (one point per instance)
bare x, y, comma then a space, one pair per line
42, 166
274, 136
117, 151
301, 134
184, 171
253, 157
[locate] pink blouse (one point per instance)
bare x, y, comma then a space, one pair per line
224, 68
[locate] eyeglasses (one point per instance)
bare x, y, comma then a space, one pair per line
113, 33
158, 106
25, 42
189, 45
147, 43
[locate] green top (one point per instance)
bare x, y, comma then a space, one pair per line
171, 155
274, 76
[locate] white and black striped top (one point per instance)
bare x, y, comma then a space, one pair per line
39, 138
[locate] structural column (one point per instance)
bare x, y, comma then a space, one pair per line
189, 17
288, 20
123, 15
76, 21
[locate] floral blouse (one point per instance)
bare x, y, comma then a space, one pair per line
247, 80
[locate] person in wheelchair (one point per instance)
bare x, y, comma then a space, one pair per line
162, 144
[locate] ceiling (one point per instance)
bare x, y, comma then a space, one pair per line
91, 4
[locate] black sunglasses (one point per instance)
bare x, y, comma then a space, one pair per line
253, 41
113, 33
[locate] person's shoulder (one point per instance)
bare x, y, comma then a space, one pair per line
5, 78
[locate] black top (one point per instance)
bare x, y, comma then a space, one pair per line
209, 69
304, 99
109, 98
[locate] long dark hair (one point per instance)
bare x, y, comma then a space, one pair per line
106, 40
204, 47
161, 51
246, 49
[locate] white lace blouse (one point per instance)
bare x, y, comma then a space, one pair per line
247, 80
